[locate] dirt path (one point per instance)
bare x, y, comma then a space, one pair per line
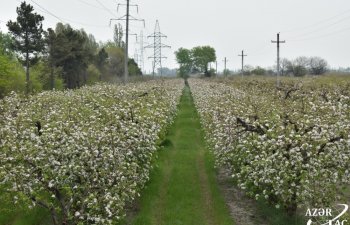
183, 188
242, 208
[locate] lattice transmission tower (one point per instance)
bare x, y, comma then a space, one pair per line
157, 47
139, 52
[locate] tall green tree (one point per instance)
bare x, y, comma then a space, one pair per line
27, 32
50, 39
101, 61
118, 35
202, 56
74, 52
184, 59
115, 65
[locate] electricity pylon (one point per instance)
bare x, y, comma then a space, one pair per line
157, 47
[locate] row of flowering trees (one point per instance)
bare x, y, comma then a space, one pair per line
290, 145
84, 154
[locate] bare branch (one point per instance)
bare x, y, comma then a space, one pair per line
251, 128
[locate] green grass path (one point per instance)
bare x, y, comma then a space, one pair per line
183, 189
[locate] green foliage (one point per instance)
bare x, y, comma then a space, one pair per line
176, 184
93, 74
133, 68
276, 216
202, 56
118, 36
15, 211
12, 77
258, 71
227, 72
299, 70
101, 59
73, 51
184, 59
115, 67
41, 74
5, 44
195, 60
110, 62
27, 35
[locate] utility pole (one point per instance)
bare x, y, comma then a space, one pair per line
278, 57
216, 67
157, 48
225, 62
242, 55
127, 17
126, 51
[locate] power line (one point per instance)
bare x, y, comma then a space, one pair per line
91, 5
261, 51
317, 23
323, 27
105, 8
47, 11
65, 20
322, 36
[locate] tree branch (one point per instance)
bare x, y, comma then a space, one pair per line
250, 128
332, 140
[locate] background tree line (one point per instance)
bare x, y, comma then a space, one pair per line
33, 59
198, 59
298, 67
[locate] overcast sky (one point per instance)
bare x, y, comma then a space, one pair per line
310, 27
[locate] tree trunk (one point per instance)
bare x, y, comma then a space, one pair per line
52, 78
292, 208
206, 73
54, 217
27, 74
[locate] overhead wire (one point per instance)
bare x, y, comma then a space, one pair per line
47, 11
317, 23
105, 8
63, 20
321, 28
91, 5
322, 36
